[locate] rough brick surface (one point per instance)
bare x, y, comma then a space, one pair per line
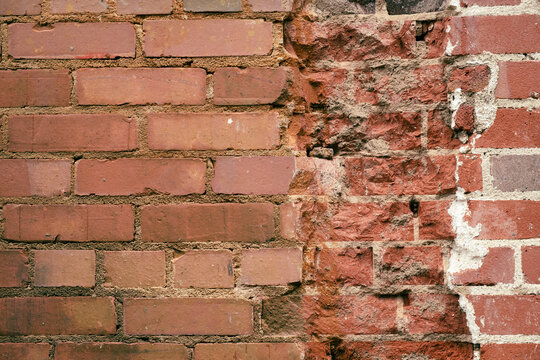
271, 266
412, 266
204, 269
123, 269
434, 313
13, 268
20, 177
346, 267
24, 351
111, 351
396, 7
64, 268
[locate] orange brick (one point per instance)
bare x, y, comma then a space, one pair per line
204, 269
123, 269
20, 177
65, 268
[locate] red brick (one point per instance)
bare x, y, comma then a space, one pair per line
107, 86
314, 176
510, 351
401, 176
530, 264
507, 314
139, 7
35, 87
251, 86
515, 172
20, 177
350, 315
518, 80
238, 351
435, 221
114, 351
434, 314
513, 128
470, 172
289, 220
208, 37
464, 119
20, 7
505, 219
65, 268
271, 266
71, 41
475, 34
271, 5
213, 5
253, 175
213, 131
204, 269
13, 268
68, 222
469, 78
467, 3
412, 266
77, 132
57, 316
440, 135
187, 316
208, 222
9, 351
78, 6
344, 267
123, 269
497, 268
283, 315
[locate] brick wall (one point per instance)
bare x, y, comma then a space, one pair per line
257, 179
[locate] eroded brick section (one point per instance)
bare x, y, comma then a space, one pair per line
412, 266
434, 313
111, 351
344, 266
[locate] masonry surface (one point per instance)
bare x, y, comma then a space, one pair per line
270, 179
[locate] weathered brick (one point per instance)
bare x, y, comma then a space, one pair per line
515, 172
204, 269
271, 266
435, 221
107, 86
440, 135
475, 34
314, 176
253, 175
141, 7
20, 177
283, 315
518, 80
250, 86
57, 316
9, 351
507, 314
77, 132
175, 316
397, 7
412, 266
35, 87
213, 131
65, 268
68, 222
530, 264
434, 314
271, 5
350, 266
112, 351
283, 351
71, 41
208, 222
469, 78
513, 128
213, 5
139, 176
78, 6
13, 268
20, 7
510, 351
497, 268
208, 37
123, 269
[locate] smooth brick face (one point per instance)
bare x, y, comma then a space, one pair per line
434, 314
271, 266
68, 222
72, 41
513, 128
20, 177
345, 267
507, 315
123, 269
209, 37
489, 2
144, 7
78, 6
65, 268
139, 176
475, 34
20, 7
251, 86
261, 351
34, 88
57, 316
88, 132
113, 351
497, 267
213, 131
175, 317
13, 268
253, 175
271, 5
24, 351
530, 264
204, 269
412, 266
147, 86
518, 80
396, 7
510, 351
213, 5
208, 222
516, 172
